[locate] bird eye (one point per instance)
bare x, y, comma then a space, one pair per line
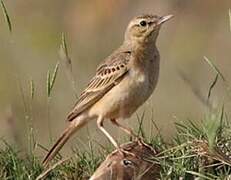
143, 23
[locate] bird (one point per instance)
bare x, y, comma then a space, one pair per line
122, 82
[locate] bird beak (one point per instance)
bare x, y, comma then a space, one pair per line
164, 19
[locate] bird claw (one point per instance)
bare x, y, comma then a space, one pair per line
140, 141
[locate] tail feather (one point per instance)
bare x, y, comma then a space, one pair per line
61, 141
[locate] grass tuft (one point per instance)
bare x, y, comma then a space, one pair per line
197, 150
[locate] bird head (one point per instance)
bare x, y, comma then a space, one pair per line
145, 28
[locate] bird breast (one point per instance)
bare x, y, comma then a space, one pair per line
124, 99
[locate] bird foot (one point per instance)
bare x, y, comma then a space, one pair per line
125, 153
140, 141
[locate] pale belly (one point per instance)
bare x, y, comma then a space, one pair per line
124, 99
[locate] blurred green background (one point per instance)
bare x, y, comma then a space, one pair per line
94, 29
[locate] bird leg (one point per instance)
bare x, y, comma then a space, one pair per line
111, 139
123, 128
128, 131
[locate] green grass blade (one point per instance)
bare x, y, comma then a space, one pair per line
140, 124
199, 175
212, 125
65, 58
213, 66
212, 86
32, 89
51, 79
54, 75
63, 52
6, 15
64, 45
48, 83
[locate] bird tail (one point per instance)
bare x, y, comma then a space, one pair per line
74, 126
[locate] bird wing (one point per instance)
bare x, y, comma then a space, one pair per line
108, 74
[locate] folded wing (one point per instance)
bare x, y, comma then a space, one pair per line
108, 74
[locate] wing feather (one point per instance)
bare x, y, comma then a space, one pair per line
108, 74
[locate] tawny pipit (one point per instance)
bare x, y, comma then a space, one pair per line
123, 82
